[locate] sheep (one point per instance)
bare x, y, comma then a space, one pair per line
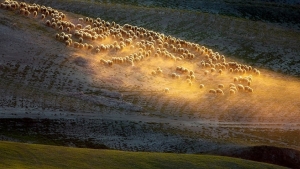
231, 85
233, 88
173, 75
220, 86
219, 91
80, 40
68, 43
250, 90
257, 72
57, 36
3, 6
201, 86
110, 63
153, 72
206, 72
27, 13
159, 71
191, 72
193, 77
35, 13
247, 88
240, 87
80, 19
212, 70
43, 16
61, 28
76, 44
232, 92
68, 29
213, 91
235, 79
79, 26
90, 46
81, 45
220, 71
166, 90
53, 25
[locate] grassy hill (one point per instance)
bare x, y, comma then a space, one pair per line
20, 155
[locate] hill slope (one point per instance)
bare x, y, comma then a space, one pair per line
18, 155
67, 94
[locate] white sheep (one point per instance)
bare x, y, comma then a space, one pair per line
213, 91
240, 87
220, 91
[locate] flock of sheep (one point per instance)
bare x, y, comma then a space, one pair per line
84, 32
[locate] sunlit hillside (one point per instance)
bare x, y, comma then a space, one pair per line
69, 78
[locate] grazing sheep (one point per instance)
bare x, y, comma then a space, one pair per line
220, 86
240, 87
76, 44
250, 90
80, 19
153, 72
158, 71
212, 70
219, 91
35, 13
90, 46
201, 86
173, 75
43, 16
57, 36
232, 92
27, 13
249, 83
193, 77
247, 88
213, 91
68, 29
68, 43
80, 40
235, 79
61, 28
79, 26
231, 85
191, 72
53, 25
220, 71
81, 45
166, 90
206, 72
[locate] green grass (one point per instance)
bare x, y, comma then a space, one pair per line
20, 155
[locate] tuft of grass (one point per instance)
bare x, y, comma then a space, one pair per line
20, 155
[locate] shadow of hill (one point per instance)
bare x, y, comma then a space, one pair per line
269, 154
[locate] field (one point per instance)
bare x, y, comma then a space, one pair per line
20, 155
71, 96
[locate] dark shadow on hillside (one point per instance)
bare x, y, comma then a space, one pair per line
268, 154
